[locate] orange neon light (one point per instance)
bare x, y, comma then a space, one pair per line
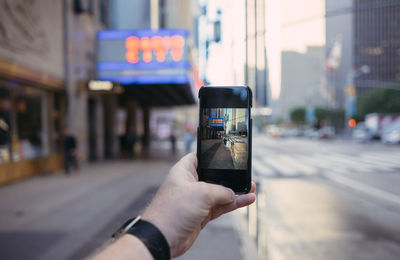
177, 43
157, 44
145, 46
132, 46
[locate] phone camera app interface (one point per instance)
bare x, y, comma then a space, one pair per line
224, 138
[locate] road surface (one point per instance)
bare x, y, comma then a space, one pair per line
326, 199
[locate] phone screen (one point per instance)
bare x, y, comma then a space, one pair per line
224, 137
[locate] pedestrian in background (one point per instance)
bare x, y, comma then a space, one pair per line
131, 141
172, 139
70, 151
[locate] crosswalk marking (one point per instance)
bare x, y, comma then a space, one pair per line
350, 162
392, 155
261, 168
280, 166
327, 163
384, 157
307, 169
290, 165
376, 160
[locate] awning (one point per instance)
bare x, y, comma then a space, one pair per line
160, 95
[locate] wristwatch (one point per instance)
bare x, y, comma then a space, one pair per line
149, 234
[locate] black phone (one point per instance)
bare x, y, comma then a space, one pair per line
224, 137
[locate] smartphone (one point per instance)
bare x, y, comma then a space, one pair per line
224, 137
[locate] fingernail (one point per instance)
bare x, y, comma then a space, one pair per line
232, 195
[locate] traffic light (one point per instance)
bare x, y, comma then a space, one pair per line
352, 123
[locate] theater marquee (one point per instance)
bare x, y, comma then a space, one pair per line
143, 56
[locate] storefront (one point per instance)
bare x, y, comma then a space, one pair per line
154, 69
31, 122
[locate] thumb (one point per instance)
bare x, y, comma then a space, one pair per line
219, 194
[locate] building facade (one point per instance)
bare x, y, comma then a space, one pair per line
302, 80
362, 40
43, 73
256, 73
153, 57
376, 43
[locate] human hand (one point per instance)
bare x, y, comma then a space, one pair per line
183, 205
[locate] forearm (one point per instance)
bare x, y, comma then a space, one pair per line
127, 247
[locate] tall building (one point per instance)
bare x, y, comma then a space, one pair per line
302, 77
361, 34
256, 73
376, 42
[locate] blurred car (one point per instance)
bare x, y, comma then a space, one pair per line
291, 132
311, 133
327, 132
361, 133
378, 123
274, 131
391, 134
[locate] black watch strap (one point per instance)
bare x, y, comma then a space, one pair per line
153, 239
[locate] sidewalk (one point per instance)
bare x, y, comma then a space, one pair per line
67, 217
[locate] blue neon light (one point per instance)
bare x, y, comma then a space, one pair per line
147, 79
154, 65
113, 66
123, 34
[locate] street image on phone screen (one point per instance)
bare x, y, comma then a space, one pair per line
224, 138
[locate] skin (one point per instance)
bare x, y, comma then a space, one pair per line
181, 208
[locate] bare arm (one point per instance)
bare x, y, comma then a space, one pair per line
180, 209
127, 247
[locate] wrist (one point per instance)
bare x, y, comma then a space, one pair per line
126, 247
137, 246
162, 224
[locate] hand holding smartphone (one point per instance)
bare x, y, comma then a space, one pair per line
224, 137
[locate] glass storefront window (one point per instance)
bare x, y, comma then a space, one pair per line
24, 123
5, 125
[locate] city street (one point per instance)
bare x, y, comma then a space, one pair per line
316, 200
326, 199
216, 155
59, 216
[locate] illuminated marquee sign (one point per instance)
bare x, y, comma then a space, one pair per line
143, 56
218, 122
156, 45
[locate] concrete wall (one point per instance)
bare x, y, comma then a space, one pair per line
129, 15
181, 13
81, 42
31, 35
